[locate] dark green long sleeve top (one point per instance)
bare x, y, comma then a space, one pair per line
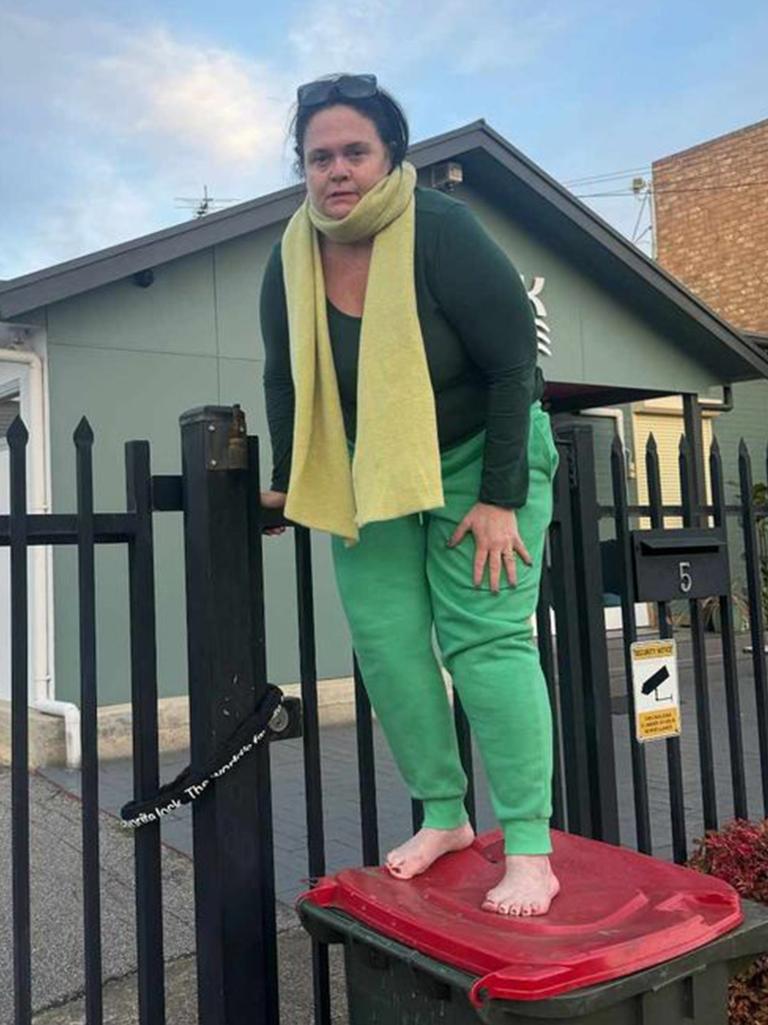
480, 341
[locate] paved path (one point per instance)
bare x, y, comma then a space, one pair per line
57, 928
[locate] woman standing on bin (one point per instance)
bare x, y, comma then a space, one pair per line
403, 404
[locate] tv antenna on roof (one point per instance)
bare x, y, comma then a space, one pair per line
205, 205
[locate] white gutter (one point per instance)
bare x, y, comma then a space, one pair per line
42, 598
615, 414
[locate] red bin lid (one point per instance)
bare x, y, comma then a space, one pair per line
618, 911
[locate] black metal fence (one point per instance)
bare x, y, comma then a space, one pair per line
218, 492
589, 696
234, 886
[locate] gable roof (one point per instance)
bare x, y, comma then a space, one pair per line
494, 167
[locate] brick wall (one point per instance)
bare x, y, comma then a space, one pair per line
714, 238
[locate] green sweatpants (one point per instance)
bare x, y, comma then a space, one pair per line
398, 583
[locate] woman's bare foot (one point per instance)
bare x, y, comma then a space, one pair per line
418, 853
528, 888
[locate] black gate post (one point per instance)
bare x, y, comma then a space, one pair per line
589, 610
232, 827
569, 668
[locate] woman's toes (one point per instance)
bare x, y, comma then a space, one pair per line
398, 868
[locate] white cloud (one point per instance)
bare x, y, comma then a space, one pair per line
510, 42
103, 209
116, 125
186, 100
120, 118
467, 36
347, 37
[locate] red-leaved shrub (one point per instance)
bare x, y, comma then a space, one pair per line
738, 853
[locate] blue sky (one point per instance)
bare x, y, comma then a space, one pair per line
108, 113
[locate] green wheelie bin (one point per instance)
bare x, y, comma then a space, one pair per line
630, 940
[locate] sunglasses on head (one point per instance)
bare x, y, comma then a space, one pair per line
349, 87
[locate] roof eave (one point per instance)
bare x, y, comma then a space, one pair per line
59, 281
620, 247
55, 283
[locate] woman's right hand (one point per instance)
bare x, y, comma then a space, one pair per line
273, 500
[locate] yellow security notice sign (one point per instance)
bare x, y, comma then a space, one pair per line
655, 686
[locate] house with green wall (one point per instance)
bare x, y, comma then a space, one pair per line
133, 335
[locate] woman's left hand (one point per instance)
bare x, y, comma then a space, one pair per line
496, 542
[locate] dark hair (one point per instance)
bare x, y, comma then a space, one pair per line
382, 109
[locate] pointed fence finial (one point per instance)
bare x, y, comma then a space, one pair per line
83, 433
17, 434
715, 458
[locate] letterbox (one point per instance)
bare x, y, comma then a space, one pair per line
687, 562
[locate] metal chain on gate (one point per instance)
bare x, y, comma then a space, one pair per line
270, 714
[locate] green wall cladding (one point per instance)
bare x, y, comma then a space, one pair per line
595, 340
133, 359
123, 362
748, 420
177, 314
125, 395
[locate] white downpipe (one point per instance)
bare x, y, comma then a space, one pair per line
613, 413
613, 615
42, 679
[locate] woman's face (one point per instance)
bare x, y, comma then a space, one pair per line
343, 158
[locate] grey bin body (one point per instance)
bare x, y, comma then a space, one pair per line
391, 984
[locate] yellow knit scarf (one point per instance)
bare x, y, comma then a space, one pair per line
396, 465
